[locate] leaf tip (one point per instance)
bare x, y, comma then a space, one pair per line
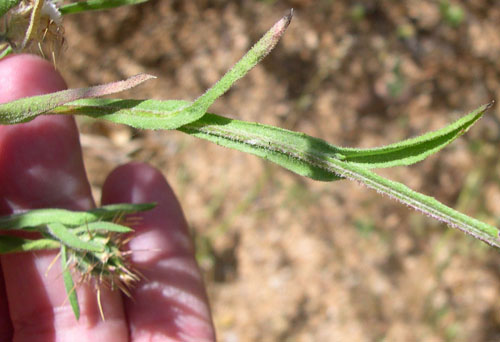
272, 37
288, 17
281, 26
143, 77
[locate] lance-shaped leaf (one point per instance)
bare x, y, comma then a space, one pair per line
306, 156
95, 5
28, 108
256, 54
142, 114
279, 145
154, 114
14, 244
41, 217
151, 114
102, 226
69, 239
265, 141
69, 285
412, 150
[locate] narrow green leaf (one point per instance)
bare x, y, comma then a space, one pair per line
154, 114
95, 5
412, 150
279, 145
40, 217
142, 114
113, 211
13, 244
150, 114
256, 54
69, 285
173, 115
306, 156
68, 238
102, 226
28, 108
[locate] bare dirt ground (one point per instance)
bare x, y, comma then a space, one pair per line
287, 258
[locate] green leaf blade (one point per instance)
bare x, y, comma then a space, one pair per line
413, 150
14, 244
254, 56
318, 160
154, 114
113, 211
296, 151
141, 114
96, 5
40, 217
26, 109
151, 114
102, 226
68, 238
69, 285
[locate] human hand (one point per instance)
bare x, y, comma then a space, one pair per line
41, 166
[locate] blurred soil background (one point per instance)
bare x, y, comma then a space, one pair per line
290, 259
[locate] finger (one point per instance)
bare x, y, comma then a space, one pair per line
170, 303
41, 166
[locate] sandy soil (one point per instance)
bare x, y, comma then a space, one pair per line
287, 258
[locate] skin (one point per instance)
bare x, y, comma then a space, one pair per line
41, 166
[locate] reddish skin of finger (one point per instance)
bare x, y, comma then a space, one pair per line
41, 166
170, 304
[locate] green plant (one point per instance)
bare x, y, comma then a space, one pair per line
87, 239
